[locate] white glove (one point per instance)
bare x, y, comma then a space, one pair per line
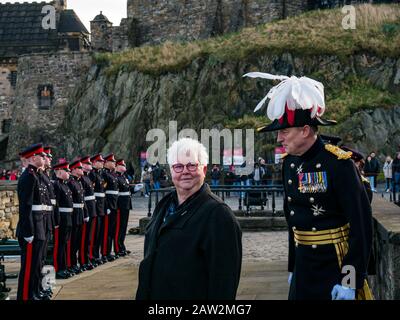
289, 280
29, 239
343, 293
86, 219
138, 187
56, 227
108, 211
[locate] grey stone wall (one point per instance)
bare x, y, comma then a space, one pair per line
6, 92
9, 207
30, 124
120, 36
101, 35
386, 284
197, 19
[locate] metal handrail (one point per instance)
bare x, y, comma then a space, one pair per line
222, 189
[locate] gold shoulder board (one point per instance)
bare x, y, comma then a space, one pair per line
284, 155
339, 153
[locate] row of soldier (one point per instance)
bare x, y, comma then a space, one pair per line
84, 210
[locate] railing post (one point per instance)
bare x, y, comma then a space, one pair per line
149, 213
273, 202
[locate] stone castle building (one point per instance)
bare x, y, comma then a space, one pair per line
40, 68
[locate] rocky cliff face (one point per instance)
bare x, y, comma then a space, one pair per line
115, 112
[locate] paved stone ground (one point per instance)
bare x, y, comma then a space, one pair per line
264, 274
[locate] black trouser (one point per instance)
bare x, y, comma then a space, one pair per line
84, 246
76, 235
97, 236
48, 226
90, 239
110, 220
123, 226
29, 275
61, 237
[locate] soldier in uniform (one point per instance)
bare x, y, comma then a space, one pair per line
49, 218
326, 205
124, 206
63, 210
90, 201
79, 216
31, 231
111, 189
98, 182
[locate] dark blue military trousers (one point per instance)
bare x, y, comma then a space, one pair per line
29, 275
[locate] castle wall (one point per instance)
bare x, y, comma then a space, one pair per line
198, 19
120, 39
44, 85
6, 93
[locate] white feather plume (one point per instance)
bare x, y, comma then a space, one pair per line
297, 93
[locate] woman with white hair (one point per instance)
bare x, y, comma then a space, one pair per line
193, 247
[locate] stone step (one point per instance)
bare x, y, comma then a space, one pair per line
246, 223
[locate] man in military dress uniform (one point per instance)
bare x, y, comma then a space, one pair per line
111, 190
31, 231
79, 216
90, 201
63, 210
97, 179
124, 206
49, 218
326, 206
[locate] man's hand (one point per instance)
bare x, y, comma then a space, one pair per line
86, 219
343, 293
29, 239
108, 211
56, 227
289, 280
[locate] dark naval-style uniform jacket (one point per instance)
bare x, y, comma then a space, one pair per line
50, 200
323, 190
32, 197
98, 183
64, 200
90, 198
124, 195
194, 254
78, 194
111, 189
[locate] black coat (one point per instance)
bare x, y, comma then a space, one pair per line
124, 199
338, 199
196, 254
50, 200
97, 179
78, 195
89, 195
30, 192
111, 189
64, 200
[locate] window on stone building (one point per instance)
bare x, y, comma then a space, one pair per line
12, 77
5, 126
45, 96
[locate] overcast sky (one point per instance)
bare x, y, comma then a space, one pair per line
114, 10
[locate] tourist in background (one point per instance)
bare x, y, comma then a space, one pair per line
387, 171
258, 174
146, 179
215, 176
371, 170
156, 175
396, 172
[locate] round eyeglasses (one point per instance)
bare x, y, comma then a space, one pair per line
179, 167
